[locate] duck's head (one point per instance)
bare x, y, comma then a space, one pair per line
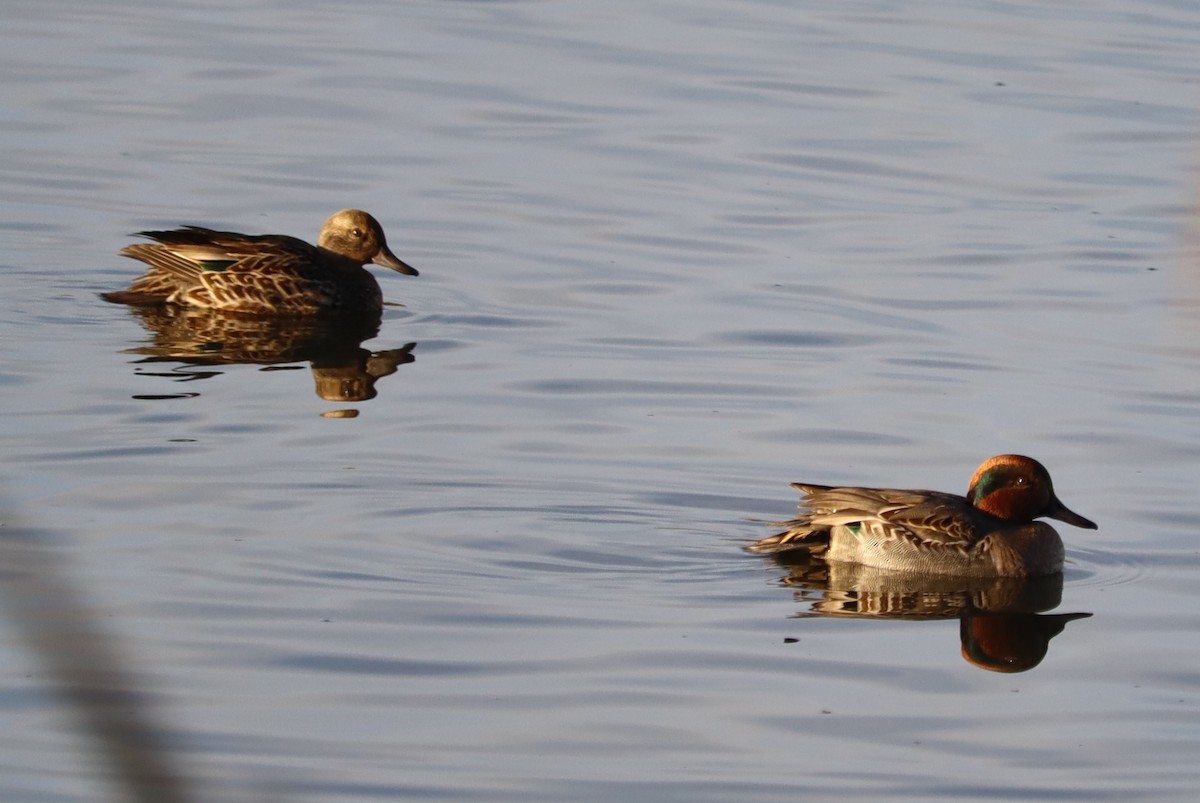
1018, 488
355, 234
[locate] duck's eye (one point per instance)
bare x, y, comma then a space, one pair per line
357, 232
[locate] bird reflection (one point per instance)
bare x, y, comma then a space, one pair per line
1003, 626
343, 371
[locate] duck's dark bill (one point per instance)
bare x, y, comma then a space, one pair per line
387, 259
1062, 513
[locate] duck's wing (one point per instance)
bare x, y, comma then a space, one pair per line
210, 268
926, 517
805, 532
932, 517
191, 252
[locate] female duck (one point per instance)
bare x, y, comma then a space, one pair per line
268, 274
989, 533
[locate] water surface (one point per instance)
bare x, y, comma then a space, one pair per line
673, 257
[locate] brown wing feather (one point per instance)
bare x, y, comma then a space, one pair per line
264, 272
186, 251
267, 274
924, 516
166, 266
943, 519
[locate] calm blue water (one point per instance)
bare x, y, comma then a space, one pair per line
673, 257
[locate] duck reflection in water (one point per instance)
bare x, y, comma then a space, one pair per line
343, 370
1003, 624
